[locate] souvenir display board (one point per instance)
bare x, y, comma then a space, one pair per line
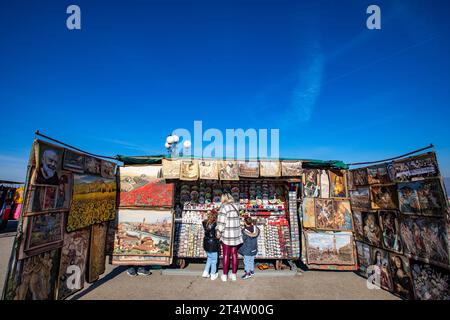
401, 224
66, 194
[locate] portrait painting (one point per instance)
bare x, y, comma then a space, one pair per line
401, 276
97, 246
73, 161
330, 248
384, 197
378, 174
51, 198
425, 238
74, 255
49, 159
309, 216
209, 170
270, 168
108, 169
291, 168
140, 187
360, 198
324, 182
416, 168
189, 170
424, 197
94, 201
249, 169
381, 266
430, 282
333, 215
371, 228
171, 169
311, 183
338, 184
360, 177
364, 256
228, 170
390, 230
358, 225
93, 165
45, 232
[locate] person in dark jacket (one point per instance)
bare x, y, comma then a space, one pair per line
211, 245
249, 248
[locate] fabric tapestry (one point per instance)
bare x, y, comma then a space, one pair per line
249, 169
270, 168
229, 170
171, 169
291, 168
208, 170
189, 170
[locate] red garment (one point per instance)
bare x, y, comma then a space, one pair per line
16, 213
227, 252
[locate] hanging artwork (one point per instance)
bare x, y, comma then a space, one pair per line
425, 238
171, 169
418, 167
108, 169
309, 216
144, 232
360, 177
384, 197
311, 183
424, 197
430, 282
342, 219
338, 184
189, 170
358, 225
291, 168
140, 187
73, 161
333, 215
37, 277
378, 174
229, 170
92, 165
208, 169
380, 265
96, 266
45, 232
270, 168
371, 228
390, 230
324, 213
401, 276
94, 201
324, 184
73, 262
360, 198
49, 159
364, 256
350, 183
249, 169
141, 260
330, 248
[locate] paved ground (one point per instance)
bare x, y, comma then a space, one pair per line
116, 284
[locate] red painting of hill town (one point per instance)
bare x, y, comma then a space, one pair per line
155, 193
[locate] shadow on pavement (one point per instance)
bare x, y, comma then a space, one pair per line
9, 229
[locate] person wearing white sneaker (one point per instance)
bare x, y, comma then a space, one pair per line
211, 245
214, 276
233, 277
224, 277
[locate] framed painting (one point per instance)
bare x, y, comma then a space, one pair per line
108, 169
93, 165
330, 248
371, 228
139, 187
208, 170
358, 225
384, 197
144, 232
270, 168
324, 182
141, 260
426, 239
189, 170
378, 174
338, 184
291, 168
342, 215
350, 183
324, 212
308, 210
360, 198
381, 266
363, 251
171, 169
401, 276
44, 232
430, 282
248, 169
311, 183
228, 170
390, 231
360, 177
94, 201
424, 197
416, 168
73, 161
74, 255
49, 163
96, 266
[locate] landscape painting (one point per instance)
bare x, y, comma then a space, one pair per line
45, 232
73, 161
330, 248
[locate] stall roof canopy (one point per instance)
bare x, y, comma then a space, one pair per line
307, 163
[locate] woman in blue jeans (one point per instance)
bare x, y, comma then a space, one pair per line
249, 248
211, 245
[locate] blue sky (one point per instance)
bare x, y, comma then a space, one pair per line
139, 69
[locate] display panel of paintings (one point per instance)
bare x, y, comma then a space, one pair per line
330, 248
426, 239
73, 161
144, 232
384, 197
424, 197
291, 168
73, 258
209, 170
44, 232
37, 277
360, 198
364, 257
94, 201
358, 224
171, 169
189, 170
359, 177
270, 168
371, 228
380, 265
49, 163
338, 184
401, 276
378, 174
96, 262
416, 168
249, 169
333, 215
390, 230
308, 210
228, 170
311, 180
140, 187
430, 282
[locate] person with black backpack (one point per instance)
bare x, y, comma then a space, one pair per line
211, 245
249, 248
